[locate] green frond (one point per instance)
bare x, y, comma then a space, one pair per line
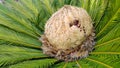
83, 64
101, 62
110, 19
97, 62
14, 21
60, 65
97, 9
43, 63
70, 65
75, 64
20, 38
22, 16
10, 54
112, 35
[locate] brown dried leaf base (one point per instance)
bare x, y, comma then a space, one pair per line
71, 54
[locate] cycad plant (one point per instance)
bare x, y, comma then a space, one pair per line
22, 24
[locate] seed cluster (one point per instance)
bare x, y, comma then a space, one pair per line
69, 34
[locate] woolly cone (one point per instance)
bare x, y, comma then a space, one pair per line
69, 34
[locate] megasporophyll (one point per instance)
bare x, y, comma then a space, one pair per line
69, 34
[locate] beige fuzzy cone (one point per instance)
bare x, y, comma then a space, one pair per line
69, 34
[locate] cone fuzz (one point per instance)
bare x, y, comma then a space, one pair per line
69, 34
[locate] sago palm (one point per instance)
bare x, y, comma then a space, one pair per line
22, 25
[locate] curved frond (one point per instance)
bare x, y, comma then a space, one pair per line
110, 19
16, 37
10, 54
44, 63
